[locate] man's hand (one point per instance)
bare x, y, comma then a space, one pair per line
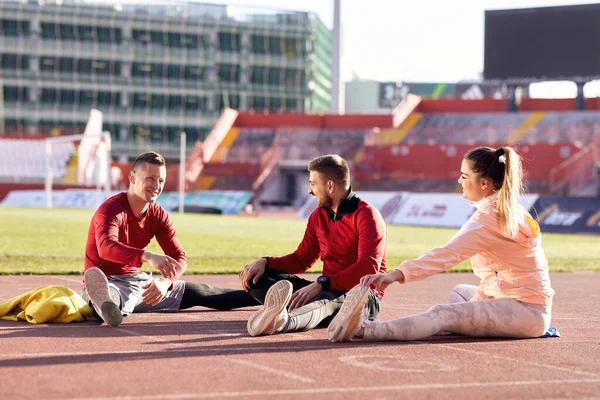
380, 281
156, 291
252, 272
168, 267
304, 295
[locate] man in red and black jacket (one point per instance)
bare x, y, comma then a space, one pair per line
345, 232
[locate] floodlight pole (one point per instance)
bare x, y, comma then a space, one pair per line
182, 144
49, 177
337, 86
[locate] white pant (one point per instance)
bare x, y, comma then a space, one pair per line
492, 318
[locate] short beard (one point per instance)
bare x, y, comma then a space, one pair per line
326, 203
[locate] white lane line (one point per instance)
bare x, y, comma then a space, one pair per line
346, 389
274, 371
515, 360
576, 319
396, 364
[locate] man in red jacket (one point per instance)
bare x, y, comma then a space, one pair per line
345, 232
119, 231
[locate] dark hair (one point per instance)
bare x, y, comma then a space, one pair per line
150, 157
503, 168
331, 167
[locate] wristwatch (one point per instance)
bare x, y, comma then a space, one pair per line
325, 282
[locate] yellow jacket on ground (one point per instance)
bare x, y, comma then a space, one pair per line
46, 304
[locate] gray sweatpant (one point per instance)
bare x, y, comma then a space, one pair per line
129, 289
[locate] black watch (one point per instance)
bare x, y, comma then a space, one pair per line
325, 282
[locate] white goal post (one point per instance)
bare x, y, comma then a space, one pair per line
100, 163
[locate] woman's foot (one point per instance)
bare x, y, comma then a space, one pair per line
349, 320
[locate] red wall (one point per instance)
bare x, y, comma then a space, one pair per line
423, 161
547, 105
330, 121
462, 106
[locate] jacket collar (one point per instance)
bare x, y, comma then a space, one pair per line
486, 201
347, 206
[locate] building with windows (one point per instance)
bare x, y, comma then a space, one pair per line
155, 71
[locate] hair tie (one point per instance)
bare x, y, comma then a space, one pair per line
500, 152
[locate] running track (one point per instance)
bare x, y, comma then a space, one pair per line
200, 353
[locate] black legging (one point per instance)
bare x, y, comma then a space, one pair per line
201, 294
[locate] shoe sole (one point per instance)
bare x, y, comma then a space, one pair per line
345, 324
96, 286
264, 320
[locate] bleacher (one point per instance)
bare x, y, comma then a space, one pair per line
308, 143
469, 128
434, 146
410, 185
24, 160
250, 144
580, 128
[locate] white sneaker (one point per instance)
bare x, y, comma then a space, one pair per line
349, 319
96, 286
272, 315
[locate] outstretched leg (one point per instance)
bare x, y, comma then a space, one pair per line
201, 294
484, 318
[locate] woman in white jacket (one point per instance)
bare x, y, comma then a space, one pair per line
504, 242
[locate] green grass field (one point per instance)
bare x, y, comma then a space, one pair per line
40, 241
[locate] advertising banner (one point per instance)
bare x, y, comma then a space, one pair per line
388, 203
229, 202
567, 214
448, 210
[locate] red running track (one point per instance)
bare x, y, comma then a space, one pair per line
200, 353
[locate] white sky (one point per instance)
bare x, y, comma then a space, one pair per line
414, 40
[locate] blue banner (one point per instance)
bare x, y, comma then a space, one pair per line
567, 214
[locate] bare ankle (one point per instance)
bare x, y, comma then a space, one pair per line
360, 333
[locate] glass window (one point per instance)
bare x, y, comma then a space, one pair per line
174, 102
192, 103
229, 41
291, 104
257, 102
157, 37
84, 66
229, 72
67, 97
13, 94
49, 95
141, 70
67, 32
174, 39
190, 41
49, 30
291, 47
193, 72
174, 71
141, 36
66, 65
157, 101
258, 44
87, 98
118, 35
141, 100
109, 98
48, 64
86, 33
13, 27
